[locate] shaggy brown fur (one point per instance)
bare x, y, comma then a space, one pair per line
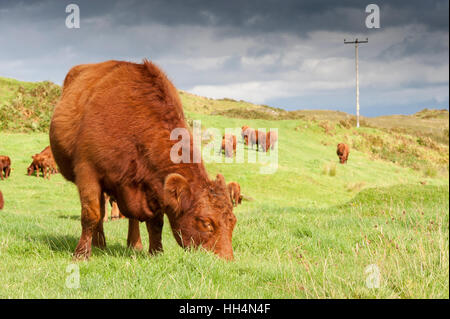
1, 200
5, 166
235, 193
342, 151
110, 132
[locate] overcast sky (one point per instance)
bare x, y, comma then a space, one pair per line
288, 54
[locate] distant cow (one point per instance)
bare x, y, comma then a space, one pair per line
115, 212
250, 136
5, 166
229, 145
342, 151
272, 138
244, 134
43, 162
268, 140
110, 132
235, 193
1, 200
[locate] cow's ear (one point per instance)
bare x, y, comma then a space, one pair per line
177, 193
240, 199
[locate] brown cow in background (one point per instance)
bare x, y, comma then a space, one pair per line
235, 193
229, 145
115, 212
43, 162
1, 200
5, 166
244, 134
250, 136
272, 138
110, 132
342, 151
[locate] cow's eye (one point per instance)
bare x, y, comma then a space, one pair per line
205, 225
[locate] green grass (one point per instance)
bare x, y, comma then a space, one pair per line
306, 234
311, 230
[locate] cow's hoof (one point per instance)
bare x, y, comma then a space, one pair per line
81, 255
155, 251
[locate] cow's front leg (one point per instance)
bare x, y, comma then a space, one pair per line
154, 227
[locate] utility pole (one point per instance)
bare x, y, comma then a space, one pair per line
356, 42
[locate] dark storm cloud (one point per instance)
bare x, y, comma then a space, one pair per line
284, 53
291, 16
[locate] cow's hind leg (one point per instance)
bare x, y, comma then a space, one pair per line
154, 227
90, 197
134, 235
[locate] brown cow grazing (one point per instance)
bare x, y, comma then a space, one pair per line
43, 162
235, 193
244, 134
1, 200
5, 166
229, 145
342, 151
250, 136
267, 140
110, 132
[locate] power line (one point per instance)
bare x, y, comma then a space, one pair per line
356, 42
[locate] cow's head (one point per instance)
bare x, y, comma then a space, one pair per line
202, 218
30, 170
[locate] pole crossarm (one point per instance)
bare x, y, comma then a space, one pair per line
356, 41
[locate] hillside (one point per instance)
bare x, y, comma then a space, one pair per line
419, 141
308, 230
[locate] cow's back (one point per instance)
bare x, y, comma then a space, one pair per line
78, 86
113, 114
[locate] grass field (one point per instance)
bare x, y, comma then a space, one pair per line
308, 233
